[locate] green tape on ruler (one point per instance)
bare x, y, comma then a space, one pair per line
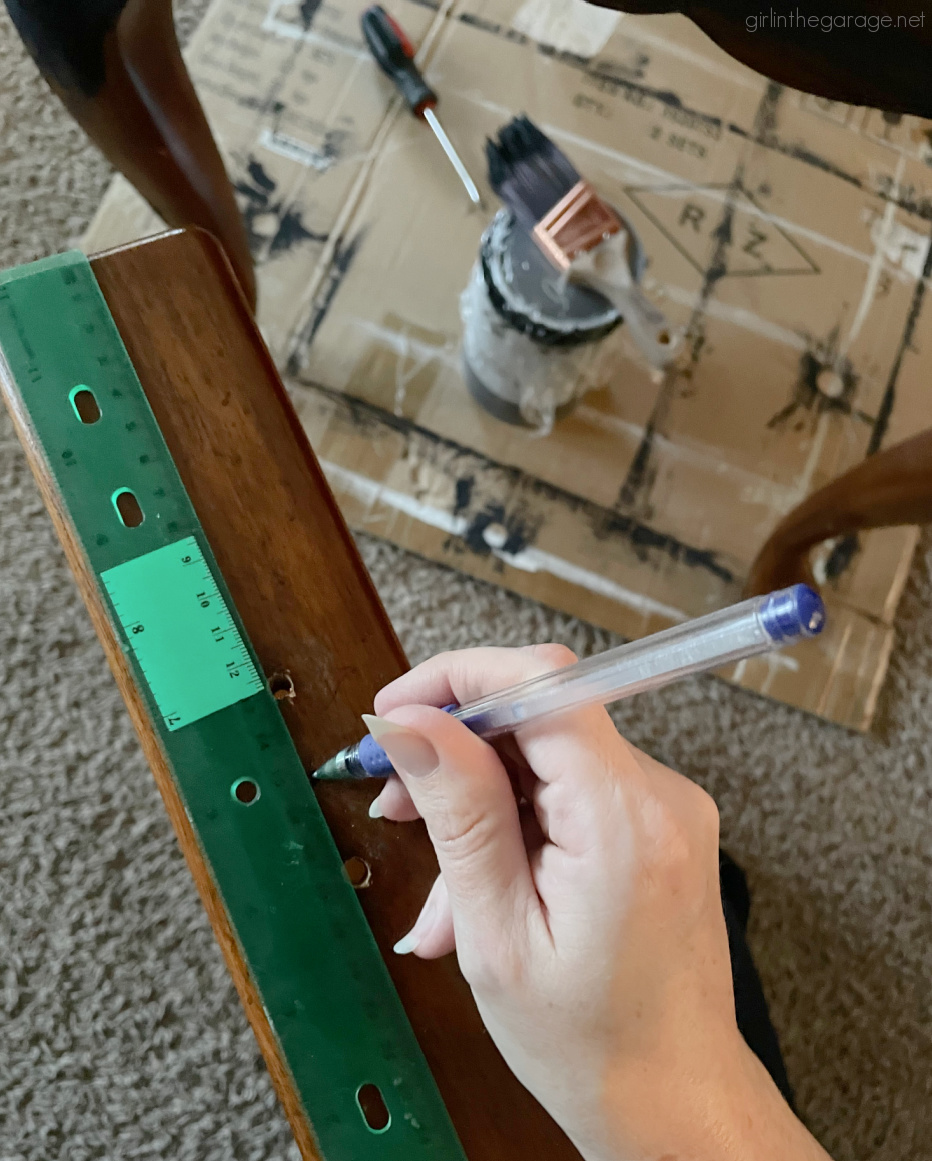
316, 967
179, 627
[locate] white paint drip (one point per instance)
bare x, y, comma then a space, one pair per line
296, 150
774, 661
531, 560
881, 238
804, 482
613, 423
904, 248
721, 196
840, 658
290, 31
567, 25
371, 493
746, 319
534, 560
754, 489
406, 345
414, 358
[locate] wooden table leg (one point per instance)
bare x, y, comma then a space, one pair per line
118, 69
889, 488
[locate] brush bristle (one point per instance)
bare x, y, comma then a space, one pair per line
527, 171
522, 139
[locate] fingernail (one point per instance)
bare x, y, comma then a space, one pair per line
425, 922
407, 945
375, 808
409, 752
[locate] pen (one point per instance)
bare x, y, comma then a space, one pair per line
755, 626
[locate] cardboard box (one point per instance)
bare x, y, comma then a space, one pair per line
789, 235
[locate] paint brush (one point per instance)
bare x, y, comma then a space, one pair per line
577, 231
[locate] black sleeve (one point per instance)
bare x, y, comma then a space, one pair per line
750, 1005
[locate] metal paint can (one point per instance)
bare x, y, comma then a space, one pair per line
531, 338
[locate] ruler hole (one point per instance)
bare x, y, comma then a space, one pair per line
282, 686
84, 403
373, 1108
244, 790
127, 507
358, 872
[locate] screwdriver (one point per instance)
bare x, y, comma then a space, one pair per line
394, 54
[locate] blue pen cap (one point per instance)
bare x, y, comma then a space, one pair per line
792, 613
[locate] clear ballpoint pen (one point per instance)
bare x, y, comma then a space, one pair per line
755, 626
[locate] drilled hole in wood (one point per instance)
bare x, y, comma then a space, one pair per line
373, 1108
84, 404
127, 506
282, 687
245, 791
358, 872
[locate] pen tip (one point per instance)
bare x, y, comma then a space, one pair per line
329, 772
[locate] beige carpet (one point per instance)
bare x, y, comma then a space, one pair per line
120, 1034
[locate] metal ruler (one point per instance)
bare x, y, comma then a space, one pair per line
319, 974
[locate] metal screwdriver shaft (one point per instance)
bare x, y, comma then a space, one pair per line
431, 118
394, 54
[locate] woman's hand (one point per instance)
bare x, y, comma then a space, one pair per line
579, 886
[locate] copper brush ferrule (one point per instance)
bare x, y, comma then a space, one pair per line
576, 224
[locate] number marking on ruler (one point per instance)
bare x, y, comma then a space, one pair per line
179, 627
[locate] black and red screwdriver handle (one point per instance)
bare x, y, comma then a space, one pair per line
394, 55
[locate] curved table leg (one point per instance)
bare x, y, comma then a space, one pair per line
889, 488
118, 69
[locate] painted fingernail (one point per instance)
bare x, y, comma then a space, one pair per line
422, 926
410, 752
407, 945
375, 808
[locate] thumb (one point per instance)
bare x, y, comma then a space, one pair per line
464, 794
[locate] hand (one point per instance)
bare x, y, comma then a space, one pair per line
579, 886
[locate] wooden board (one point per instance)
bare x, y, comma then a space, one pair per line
315, 620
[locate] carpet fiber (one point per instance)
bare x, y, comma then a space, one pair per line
120, 1032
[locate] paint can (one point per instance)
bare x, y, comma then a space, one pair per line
531, 338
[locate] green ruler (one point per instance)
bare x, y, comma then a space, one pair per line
319, 974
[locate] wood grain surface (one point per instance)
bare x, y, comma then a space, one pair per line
312, 614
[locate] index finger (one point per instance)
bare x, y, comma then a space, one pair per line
464, 675
579, 755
